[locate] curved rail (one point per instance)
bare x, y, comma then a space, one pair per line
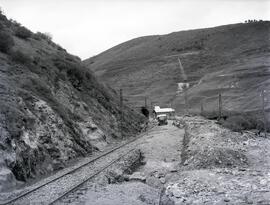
88, 178
74, 170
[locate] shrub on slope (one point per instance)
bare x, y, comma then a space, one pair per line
52, 108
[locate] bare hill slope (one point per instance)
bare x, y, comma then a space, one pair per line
52, 108
232, 60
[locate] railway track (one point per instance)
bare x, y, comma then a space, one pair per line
60, 186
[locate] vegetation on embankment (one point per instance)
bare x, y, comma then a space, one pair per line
52, 108
240, 121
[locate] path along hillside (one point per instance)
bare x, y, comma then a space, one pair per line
233, 60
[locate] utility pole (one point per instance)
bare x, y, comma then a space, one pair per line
186, 100
264, 115
145, 102
219, 106
202, 108
121, 113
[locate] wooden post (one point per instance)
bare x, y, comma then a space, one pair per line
186, 100
219, 106
202, 110
264, 115
151, 109
121, 113
145, 102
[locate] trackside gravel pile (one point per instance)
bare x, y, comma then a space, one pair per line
208, 145
125, 166
219, 166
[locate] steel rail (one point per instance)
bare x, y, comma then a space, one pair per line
88, 178
20, 196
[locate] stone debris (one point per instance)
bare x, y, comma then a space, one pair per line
209, 145
221, 167
162, 180
154, 182
120, 171
173, 190
137, 176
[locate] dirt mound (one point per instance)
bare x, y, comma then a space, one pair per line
220, 166
216, 157
207, 145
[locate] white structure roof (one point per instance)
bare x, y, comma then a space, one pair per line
157, 109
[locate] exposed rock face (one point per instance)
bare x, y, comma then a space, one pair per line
52, 108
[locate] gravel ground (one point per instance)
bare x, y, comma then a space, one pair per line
206, 177
207, 165
4, 196
49, 192
161, 149
217, 167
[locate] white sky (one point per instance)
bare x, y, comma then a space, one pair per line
88, 27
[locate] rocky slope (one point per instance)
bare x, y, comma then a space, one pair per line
52, 108
232, 60
219, 166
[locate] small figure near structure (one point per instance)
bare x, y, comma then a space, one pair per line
162, 119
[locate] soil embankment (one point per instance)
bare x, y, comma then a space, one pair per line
207, 145
221, 166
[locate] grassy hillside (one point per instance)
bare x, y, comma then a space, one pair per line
232, 60
52, 108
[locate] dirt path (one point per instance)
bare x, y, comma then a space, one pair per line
218, 167
161, 150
